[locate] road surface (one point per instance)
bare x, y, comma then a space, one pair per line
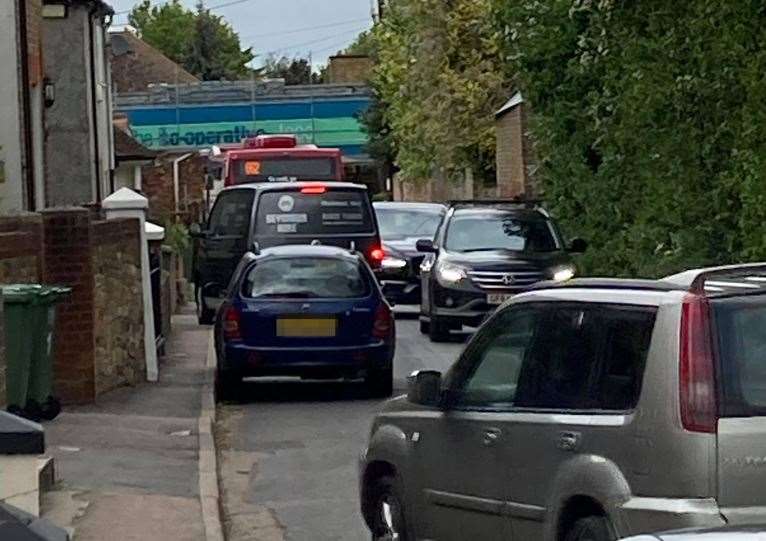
289, 450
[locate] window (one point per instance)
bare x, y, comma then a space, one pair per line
307, 278
494, 359
291, 212
627, 333
740, 323
231, 213
499, 231
401, 224
262, 169
557, 373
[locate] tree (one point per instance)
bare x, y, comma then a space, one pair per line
203, 43
650, 126
295, 71
439, 77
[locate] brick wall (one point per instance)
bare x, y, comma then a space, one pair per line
20, 239
158, 187
349, 69
67, 249
516, 162
119, 327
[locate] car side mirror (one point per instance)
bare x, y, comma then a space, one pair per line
578, 246
425, 246
424, 387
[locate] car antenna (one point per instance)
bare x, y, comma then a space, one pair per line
256, 248
353, 246
316, 242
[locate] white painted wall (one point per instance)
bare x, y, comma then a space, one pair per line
11, 141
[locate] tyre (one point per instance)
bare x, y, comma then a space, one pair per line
205, 316
227, 386
388, 520
380, 383
591, 529
424, 327
438, 330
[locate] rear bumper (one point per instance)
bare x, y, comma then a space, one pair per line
325, 362
644, 515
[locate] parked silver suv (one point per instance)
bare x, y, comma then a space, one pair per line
589, 410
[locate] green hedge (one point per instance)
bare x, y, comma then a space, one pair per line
650, 122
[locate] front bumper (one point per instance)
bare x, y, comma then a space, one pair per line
317, 362
461, 306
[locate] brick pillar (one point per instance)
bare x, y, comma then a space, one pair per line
68, 262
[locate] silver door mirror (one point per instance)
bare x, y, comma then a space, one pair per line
424, 387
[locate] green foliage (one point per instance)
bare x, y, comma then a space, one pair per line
438, 78
177, 237
295, 71
202, 42
650, 125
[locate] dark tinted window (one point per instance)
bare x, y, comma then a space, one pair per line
270, 169
627, 333
231, 213
499, 231
558, 370
400, 224
333, 212
493, 361
316, 277
741, 325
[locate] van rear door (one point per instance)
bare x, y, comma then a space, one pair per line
331, 215
741, 343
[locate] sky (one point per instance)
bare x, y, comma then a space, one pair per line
284, 27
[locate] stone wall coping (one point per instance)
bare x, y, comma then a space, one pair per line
125, 199
154, 232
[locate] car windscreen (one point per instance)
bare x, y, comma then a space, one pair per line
334, 212
307, 278
498, 231
275, 169
401, 224
741, 335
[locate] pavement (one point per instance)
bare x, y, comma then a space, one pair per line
288, 452
128, 467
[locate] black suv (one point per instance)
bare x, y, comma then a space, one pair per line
484, 253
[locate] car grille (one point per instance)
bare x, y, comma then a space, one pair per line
506, 281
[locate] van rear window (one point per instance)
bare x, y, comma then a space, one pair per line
741, 335
335, 212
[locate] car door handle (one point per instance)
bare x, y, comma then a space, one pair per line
491, 436
569, 441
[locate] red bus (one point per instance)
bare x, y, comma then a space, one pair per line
279, 158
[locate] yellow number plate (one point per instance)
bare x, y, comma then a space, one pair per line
306, 327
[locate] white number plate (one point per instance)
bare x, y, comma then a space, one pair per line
498, 298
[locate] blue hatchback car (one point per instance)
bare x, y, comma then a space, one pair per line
314, 312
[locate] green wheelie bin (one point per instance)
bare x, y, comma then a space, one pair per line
40, 401
21, 315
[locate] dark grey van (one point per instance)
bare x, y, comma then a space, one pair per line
275, 214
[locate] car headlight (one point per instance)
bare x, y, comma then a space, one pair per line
562, 274
449, 274
392, 262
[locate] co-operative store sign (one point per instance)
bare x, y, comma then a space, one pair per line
326, 123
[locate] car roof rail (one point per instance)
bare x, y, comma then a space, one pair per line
607, 283
724, 280
526, 202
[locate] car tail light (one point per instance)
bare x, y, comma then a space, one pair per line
383, 326
699, 406
232, 320
377, 255
314, 190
